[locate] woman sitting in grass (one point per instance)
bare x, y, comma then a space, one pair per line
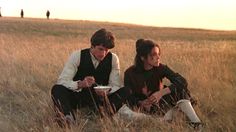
144, 79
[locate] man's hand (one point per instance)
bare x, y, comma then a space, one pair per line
101, 93
87, 82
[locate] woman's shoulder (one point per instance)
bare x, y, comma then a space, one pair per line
130, 69
161, 66
161, 69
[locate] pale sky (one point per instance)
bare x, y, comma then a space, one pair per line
207, 14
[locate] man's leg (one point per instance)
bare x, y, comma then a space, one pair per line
65, 101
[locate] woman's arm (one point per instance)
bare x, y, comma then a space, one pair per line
155, 97
127, 80
177, 81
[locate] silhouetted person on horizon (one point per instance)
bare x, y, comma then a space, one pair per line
47, 14
22, 13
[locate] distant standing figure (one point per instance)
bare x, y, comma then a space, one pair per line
48, 14
0, 12
22, 13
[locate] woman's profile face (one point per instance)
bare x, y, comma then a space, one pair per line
153, 57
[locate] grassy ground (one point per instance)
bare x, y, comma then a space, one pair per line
33, 52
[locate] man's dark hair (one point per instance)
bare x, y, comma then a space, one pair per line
104, 38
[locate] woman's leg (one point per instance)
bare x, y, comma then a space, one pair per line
187, 109
167, 103
118, 98
180, 99
119, 101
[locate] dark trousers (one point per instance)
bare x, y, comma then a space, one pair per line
66, 100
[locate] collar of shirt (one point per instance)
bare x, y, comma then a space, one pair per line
94, 60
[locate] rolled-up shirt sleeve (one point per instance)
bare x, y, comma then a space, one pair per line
114, 79
69, 71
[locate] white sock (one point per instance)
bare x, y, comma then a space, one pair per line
70, 118
126, 112
169, 115
186, 107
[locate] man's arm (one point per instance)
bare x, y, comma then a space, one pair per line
114, 79
69, 71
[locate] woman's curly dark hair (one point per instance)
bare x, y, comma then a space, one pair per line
143, 49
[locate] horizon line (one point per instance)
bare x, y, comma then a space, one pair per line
134, 24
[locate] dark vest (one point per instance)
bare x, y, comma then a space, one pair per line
86, 68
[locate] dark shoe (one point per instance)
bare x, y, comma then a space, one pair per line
193, 101
197, 125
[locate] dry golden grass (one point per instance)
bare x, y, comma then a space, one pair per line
33, 53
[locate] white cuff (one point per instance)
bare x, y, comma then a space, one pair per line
74, 86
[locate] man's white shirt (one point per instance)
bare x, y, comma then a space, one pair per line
71, 68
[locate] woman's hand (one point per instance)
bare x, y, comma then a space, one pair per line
155, 97
145, 104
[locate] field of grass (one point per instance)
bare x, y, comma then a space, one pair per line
33, 53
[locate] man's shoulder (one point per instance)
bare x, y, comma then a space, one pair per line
115, 57
75, 56
80, 51
76, 52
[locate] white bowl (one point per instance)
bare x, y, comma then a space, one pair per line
103, 88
